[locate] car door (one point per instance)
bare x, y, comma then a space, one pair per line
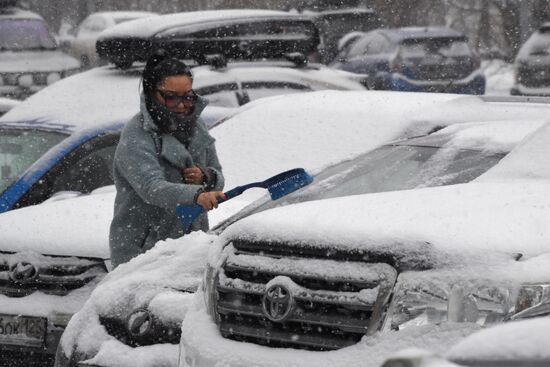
83, 170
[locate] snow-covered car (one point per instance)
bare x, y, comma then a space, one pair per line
416, 59
523, 343
31, 236
239, 33
82, 46
109, 96
532, 65
29, 57
362, 276
7, 104
112, 324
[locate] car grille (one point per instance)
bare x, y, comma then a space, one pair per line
459, 70
534, 76
24, 273
305, 302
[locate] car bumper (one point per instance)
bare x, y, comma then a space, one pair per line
520, 90
473, 84
202, 345
17, 92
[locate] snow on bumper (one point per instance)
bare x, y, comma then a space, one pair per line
203, 346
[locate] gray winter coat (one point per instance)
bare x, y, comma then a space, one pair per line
149, 183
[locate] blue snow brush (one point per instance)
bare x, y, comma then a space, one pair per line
278, 186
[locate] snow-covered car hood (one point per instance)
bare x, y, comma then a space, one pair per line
160, 281
36, 61
434, 226
60, 226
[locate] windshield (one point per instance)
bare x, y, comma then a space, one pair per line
24, 34
537, 45
447, 47
21, 148
391, 167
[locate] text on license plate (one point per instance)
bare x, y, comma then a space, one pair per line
22, 330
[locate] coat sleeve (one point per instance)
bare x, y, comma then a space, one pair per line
136, 160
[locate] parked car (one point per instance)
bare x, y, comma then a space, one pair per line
361, 276
86, 219
427, 59
7, 104
59, 110
333, 24
241, 34
112, 320
29, 57
82, 46
532, 65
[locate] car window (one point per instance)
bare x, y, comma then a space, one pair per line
394, 167
19, 149
448, 47
222, 95
92, 170
261, 89
25, 34
93, 24
85, 169
537, 45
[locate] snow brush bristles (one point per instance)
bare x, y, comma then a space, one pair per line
278, 186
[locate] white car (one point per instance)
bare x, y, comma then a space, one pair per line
152, 311
362, 276
29, 57
82, 46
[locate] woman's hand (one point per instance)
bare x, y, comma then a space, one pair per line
209, 200
193, 175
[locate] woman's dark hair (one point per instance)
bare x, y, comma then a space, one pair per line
161, 65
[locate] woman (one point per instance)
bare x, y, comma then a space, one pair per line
165, 158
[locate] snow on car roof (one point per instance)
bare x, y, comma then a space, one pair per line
519, 341
148, 27
125, 14
82, 100
435, 224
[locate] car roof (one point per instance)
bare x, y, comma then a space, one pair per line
108, 94
16, 13
121, 14
147, 27
405, 33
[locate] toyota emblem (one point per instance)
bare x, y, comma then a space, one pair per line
23, 272
277, 303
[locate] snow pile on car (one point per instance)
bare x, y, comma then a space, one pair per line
161, 281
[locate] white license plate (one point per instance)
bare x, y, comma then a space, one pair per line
22, 330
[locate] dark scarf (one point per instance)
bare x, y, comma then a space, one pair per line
168, 122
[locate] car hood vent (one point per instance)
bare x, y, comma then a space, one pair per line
24, 273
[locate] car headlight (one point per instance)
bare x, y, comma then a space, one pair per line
52, 78
419, 302
25, 80
533, 300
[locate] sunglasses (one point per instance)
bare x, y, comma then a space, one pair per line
173, 100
